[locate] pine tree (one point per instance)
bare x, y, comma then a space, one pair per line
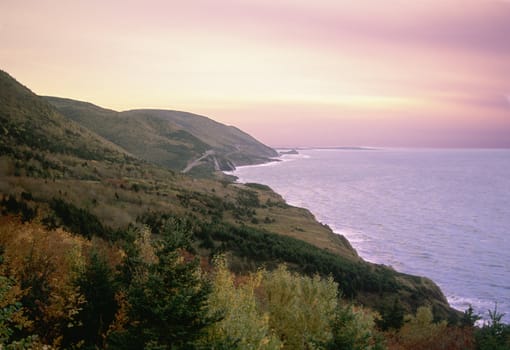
167, 298
96, 283
392, 317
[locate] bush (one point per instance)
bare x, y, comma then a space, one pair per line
300, 307
420, 332
263, 246
77, 220
10, 205
258, 186
244, 325
354, 329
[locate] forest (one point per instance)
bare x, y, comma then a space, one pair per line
146, 290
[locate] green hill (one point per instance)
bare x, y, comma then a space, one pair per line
28, 123
62, 174
176, 140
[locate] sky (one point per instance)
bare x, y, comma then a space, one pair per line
394, 73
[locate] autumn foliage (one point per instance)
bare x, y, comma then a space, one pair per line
62, 290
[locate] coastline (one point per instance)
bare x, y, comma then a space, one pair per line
288, 157
359, 213
432, 287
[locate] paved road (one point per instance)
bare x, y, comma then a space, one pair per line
197, 161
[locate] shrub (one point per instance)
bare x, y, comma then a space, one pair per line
244, 325
354, 329
77, 220
300, 308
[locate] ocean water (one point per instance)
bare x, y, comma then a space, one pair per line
444, 214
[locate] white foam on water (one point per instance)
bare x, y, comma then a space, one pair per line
480, 307
274, 161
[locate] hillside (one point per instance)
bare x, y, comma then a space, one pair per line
62, 175
28, 123
177, 140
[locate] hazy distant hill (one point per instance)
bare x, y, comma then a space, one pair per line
169, 138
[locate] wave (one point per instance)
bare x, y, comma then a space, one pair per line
480, 307
274, 161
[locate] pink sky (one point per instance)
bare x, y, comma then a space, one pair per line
292, 73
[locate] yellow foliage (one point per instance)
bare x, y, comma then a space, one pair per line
301, 308
422, 325
11, 314
121, 317
43, 263
420, 332
242, 324
144, 243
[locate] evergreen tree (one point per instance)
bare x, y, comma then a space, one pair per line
469, 318
494, 335
96, 283
392, 317
167, 298
353, 329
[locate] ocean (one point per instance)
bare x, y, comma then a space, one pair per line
444, 214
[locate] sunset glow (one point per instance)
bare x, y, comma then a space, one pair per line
291, 73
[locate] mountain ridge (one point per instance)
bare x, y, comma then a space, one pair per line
173, 139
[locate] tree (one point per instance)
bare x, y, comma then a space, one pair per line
494, 335
97, 285
37, 300
42, 262
167, 298
11, 311
353, 329
469, 317
392, 317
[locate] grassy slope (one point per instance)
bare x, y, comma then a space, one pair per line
167, 138
28, 122
251, 222
224, 139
